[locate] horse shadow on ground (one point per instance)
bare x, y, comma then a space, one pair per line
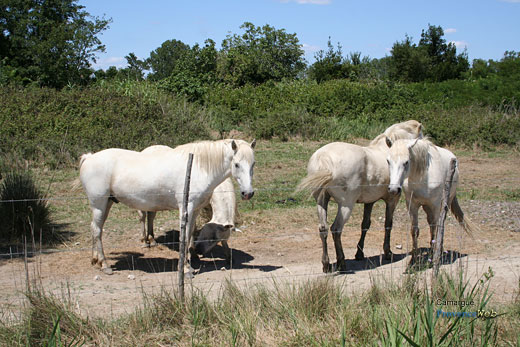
424, 261
214, 260
369, 263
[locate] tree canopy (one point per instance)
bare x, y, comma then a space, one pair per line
50, 42
432, 59
260, 54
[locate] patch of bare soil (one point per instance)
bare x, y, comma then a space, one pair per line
278, 245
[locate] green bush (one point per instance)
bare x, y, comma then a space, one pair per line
23, 209
55, 127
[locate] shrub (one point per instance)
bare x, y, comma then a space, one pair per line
23, 209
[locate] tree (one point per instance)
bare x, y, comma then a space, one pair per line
444, 63
260, 54
408, 62
135, 69
194, 71
432, 59
51, 42
163, 60
328, 65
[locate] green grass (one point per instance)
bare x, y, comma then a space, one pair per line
315, 312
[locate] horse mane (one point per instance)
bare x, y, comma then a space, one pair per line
420, 156
410, 129
209, 155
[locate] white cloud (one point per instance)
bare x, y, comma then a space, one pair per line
460, 44
312, 2
450, 31
310, 48
105, 63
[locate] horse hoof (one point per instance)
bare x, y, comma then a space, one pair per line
107, 271
360, 256
327, 268
341, 267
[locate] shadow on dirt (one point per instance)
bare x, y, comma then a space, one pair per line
424, 261
214, 261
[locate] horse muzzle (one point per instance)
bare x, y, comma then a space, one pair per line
394, 189
247, 196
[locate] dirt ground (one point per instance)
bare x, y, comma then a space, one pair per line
279, 245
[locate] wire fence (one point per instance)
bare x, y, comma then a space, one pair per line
286, 272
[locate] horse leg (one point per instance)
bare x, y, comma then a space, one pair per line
227, 253
413, 212
336, 229
365, 225
142, 220
189, 255
389, 217
150, 240
99, 216
432, 219
322, 200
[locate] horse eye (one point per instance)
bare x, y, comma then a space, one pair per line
237, 166
406, 163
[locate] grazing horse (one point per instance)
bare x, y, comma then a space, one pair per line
155, 182
421, 169
222, 223
352, 174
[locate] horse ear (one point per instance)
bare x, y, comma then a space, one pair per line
253, 144
411, 144
419, 131
234, 146
388, 142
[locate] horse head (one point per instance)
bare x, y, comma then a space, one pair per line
242, 166
398, 163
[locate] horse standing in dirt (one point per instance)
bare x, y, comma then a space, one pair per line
421, 169
353, 174
222, 205
155, 182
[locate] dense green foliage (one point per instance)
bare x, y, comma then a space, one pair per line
50, 42
259, 55
256, 83
57, 126
431, 60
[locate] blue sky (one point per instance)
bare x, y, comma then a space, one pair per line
487, 28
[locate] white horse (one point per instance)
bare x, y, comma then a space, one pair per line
421, 169
155, 181
353, 174
222, 206
222, 223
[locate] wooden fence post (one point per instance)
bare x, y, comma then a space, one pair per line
182, 245
439, 238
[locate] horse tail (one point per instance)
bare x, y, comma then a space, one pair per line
321, 176
464, 222
76, 184
83, 158
315, 181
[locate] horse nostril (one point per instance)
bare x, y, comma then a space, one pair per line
399, 190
